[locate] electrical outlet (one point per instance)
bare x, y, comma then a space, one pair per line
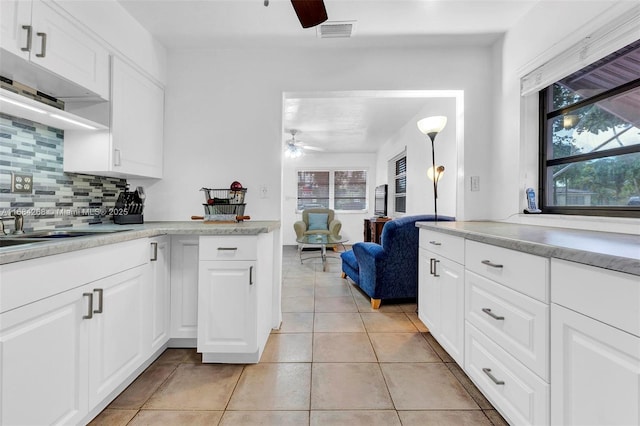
21, 183
475, 183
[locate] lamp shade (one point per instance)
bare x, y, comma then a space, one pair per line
433, 124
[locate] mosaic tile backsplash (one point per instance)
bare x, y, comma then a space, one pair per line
59, 199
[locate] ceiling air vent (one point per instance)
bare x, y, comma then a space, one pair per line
336, 29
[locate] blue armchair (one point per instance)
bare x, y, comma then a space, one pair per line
388, 270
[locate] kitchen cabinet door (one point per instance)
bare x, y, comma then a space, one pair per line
595, 371
13, 37
428, 293
441, 301
227, 306
160, 291
61, 47
44, 356
184, 289
137, 122
119, 337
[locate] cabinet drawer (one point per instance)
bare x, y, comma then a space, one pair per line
522, 272
521, 396
607, 296
445, 245
518, 323
228, 248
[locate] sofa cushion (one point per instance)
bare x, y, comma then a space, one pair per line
318, 221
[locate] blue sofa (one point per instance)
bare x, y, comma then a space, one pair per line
388, 270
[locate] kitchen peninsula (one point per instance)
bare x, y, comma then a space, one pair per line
534, 313
102, 307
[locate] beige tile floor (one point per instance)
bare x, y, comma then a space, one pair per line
334, 361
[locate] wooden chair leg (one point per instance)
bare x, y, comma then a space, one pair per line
375, 303
343, 275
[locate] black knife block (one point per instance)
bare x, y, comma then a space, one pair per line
128, 209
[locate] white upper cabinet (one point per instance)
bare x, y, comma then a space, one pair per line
36, 32
134, 145
15, 27
137, 120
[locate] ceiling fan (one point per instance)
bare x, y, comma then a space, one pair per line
295, 148
310, 12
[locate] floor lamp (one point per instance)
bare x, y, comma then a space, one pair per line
431, 126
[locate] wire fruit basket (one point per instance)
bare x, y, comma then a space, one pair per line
223, 204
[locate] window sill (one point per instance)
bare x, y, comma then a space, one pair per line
623, 225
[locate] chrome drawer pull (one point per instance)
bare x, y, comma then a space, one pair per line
29, 31
250, 275
154, 256
227, 248
432, 267
487, 371
100, 296
43, 45
491, 314
435, 243
90, 311
493, 265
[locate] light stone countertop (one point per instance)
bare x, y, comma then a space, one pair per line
130, 232
614, 251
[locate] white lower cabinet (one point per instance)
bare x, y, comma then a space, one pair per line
520, 395
595, 346
72, 336
184, 289
441, 301
160, 291
227, 307
595, 373
44, 361
119, 332
234, 297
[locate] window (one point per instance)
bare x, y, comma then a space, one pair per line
590, 139
344, 190
400, 188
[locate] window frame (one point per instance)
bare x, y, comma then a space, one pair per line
545, 117
332, 180
397, 176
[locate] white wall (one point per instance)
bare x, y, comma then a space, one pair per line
352, 223
224, 113
418, 150
542, 34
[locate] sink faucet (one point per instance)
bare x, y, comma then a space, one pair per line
18, 220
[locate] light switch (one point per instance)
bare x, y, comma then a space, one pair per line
475, 183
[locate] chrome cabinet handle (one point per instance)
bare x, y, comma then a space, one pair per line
250, 275
29, 34
435, 243
227, 248
90, 310
493, 265
117, 160
43, 45
99, 291
432, 267
154, 257
487, 371
491, 314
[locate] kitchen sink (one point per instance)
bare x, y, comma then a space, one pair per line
9, 242
68, 233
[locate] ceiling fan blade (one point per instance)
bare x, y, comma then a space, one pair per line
312, 148
310, 12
